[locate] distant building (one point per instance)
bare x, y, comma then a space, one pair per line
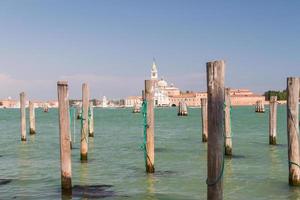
9, 103
132, 100
169, 95
244, 97
192, 99
104, 102
162, 90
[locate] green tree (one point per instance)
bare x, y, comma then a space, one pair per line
281, 95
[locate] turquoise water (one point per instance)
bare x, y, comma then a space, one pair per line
257, 171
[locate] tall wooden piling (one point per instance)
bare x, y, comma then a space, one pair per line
78, 111
228, 140
85, 125
23, 115
149, 97
273, 120
91, 120
293, 130
215, 151
143, 95
64, 130
31, 118
204, 119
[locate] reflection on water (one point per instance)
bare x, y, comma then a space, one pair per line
83, 176
32, 138
150, 187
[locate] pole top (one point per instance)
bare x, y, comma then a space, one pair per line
216, 61
62, 83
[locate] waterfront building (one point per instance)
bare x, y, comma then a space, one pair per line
162, 91
192, 99
166, 95
244, 97
104, 102
133, 100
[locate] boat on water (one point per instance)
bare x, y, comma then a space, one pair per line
45, 108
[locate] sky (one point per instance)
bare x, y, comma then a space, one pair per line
110, 44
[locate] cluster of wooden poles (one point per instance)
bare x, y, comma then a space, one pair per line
260, 107
182, 109
32, 130
32, 121
87, 128
216, 128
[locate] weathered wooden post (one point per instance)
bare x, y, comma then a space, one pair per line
91, 120
143, 95
257, 106
23, 115
293, 130
215, 152
204, 119
149, 97
64, 130
260, 107
273, 120
228, 140
31, 118
78, 111
85, 125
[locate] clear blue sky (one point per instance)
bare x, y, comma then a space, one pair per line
110, 44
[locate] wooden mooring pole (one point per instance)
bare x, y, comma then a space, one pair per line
228, 139
31, 118
91, 120
85, 125
78, 111
293, 130
64, 132
204, 119
182, 109
143, 95
273, 120
215, 151
149, 97
23, 115
260, 106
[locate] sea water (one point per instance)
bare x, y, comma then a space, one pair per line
116, 166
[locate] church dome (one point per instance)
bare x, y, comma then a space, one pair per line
162, 83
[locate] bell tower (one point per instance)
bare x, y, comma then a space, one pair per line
154, 74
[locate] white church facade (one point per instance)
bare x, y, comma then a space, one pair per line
162, 90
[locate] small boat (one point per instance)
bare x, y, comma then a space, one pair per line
46, 108
136, 108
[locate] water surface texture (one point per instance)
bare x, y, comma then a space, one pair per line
116, 169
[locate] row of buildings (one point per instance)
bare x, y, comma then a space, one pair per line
10, 103
168, 95
239, 97
165, 95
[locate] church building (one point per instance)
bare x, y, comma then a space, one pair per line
162, 90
